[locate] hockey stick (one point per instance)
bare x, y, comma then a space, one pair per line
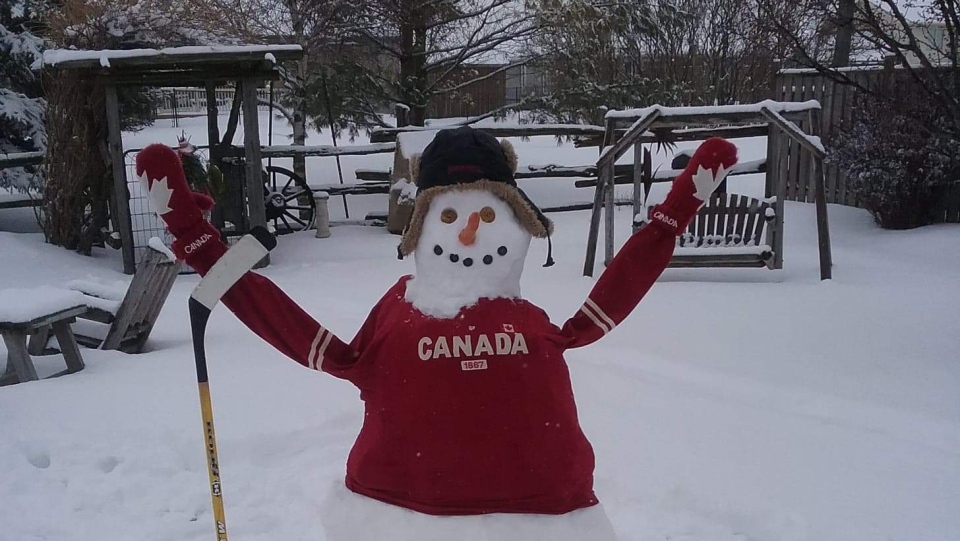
227, 271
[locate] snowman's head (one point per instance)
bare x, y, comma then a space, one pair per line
471, 226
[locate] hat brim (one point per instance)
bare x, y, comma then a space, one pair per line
531, 219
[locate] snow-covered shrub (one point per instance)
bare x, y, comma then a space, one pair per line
897, 158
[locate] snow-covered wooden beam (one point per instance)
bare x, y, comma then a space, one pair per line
750, 113
366, 188
640, 126
20, 159
212, 54
381, 135
669, 175
686, 134
809, 142
286, 151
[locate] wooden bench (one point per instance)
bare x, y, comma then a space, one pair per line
20, 366
730, 230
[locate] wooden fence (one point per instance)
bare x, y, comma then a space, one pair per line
838, 102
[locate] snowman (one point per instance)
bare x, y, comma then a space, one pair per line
470, 428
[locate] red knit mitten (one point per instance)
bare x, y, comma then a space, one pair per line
706, 170
197, 241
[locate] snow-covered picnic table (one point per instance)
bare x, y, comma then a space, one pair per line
24, 312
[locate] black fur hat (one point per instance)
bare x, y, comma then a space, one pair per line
469, 159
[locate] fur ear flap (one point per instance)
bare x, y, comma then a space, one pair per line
415, 168
510, 154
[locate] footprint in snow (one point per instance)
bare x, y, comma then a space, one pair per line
108, 464
39, 459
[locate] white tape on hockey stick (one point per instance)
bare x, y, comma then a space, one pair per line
240, 258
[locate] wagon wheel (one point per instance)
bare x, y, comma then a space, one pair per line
288, 201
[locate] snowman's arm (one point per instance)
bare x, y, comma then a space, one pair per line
270, 313
622, 285
644, 256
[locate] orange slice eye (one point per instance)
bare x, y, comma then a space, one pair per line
448, 216
487, 215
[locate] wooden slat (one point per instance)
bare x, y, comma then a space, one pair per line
742, 209
18, 357
20, 159
608, 213
389, 135
120, 197
593, 234
717, 260
251, 145
637, 182
748, 228
138, 289
165, 282
611, 153
68, 345
670, 119
701, 222
712, 210
46, 319
688, 134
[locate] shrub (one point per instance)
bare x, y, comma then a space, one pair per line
897, 158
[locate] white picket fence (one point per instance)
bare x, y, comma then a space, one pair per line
183, 102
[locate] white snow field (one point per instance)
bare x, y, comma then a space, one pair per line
732, 405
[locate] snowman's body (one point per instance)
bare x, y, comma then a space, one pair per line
347, 516
470, 427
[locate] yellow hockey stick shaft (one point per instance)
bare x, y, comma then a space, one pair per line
213, 462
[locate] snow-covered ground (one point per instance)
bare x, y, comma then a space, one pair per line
733, 404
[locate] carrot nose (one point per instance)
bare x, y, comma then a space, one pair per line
468, 235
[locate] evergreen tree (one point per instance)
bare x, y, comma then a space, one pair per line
22, 108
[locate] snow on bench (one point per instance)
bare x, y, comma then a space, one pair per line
23, 305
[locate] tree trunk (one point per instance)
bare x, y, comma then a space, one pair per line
79, 180
413, 72
300, 119
299, 123
844, 35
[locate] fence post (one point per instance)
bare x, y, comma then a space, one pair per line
322, 216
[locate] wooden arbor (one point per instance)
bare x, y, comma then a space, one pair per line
742, 231
203, 66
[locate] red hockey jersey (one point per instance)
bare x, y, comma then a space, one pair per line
472, 414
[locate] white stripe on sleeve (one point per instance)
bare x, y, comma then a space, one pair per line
603, 315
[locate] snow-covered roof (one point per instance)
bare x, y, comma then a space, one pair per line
109, 57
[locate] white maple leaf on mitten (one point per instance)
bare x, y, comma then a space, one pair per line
705, 181
160, 193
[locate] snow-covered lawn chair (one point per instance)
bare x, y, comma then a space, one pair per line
122, 320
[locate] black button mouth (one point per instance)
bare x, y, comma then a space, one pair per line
469, 261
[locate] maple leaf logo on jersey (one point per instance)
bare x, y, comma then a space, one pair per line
706, 182
159, 195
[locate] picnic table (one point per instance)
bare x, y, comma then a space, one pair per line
50, 309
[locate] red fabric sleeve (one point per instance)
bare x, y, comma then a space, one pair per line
267, 311
623, 283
